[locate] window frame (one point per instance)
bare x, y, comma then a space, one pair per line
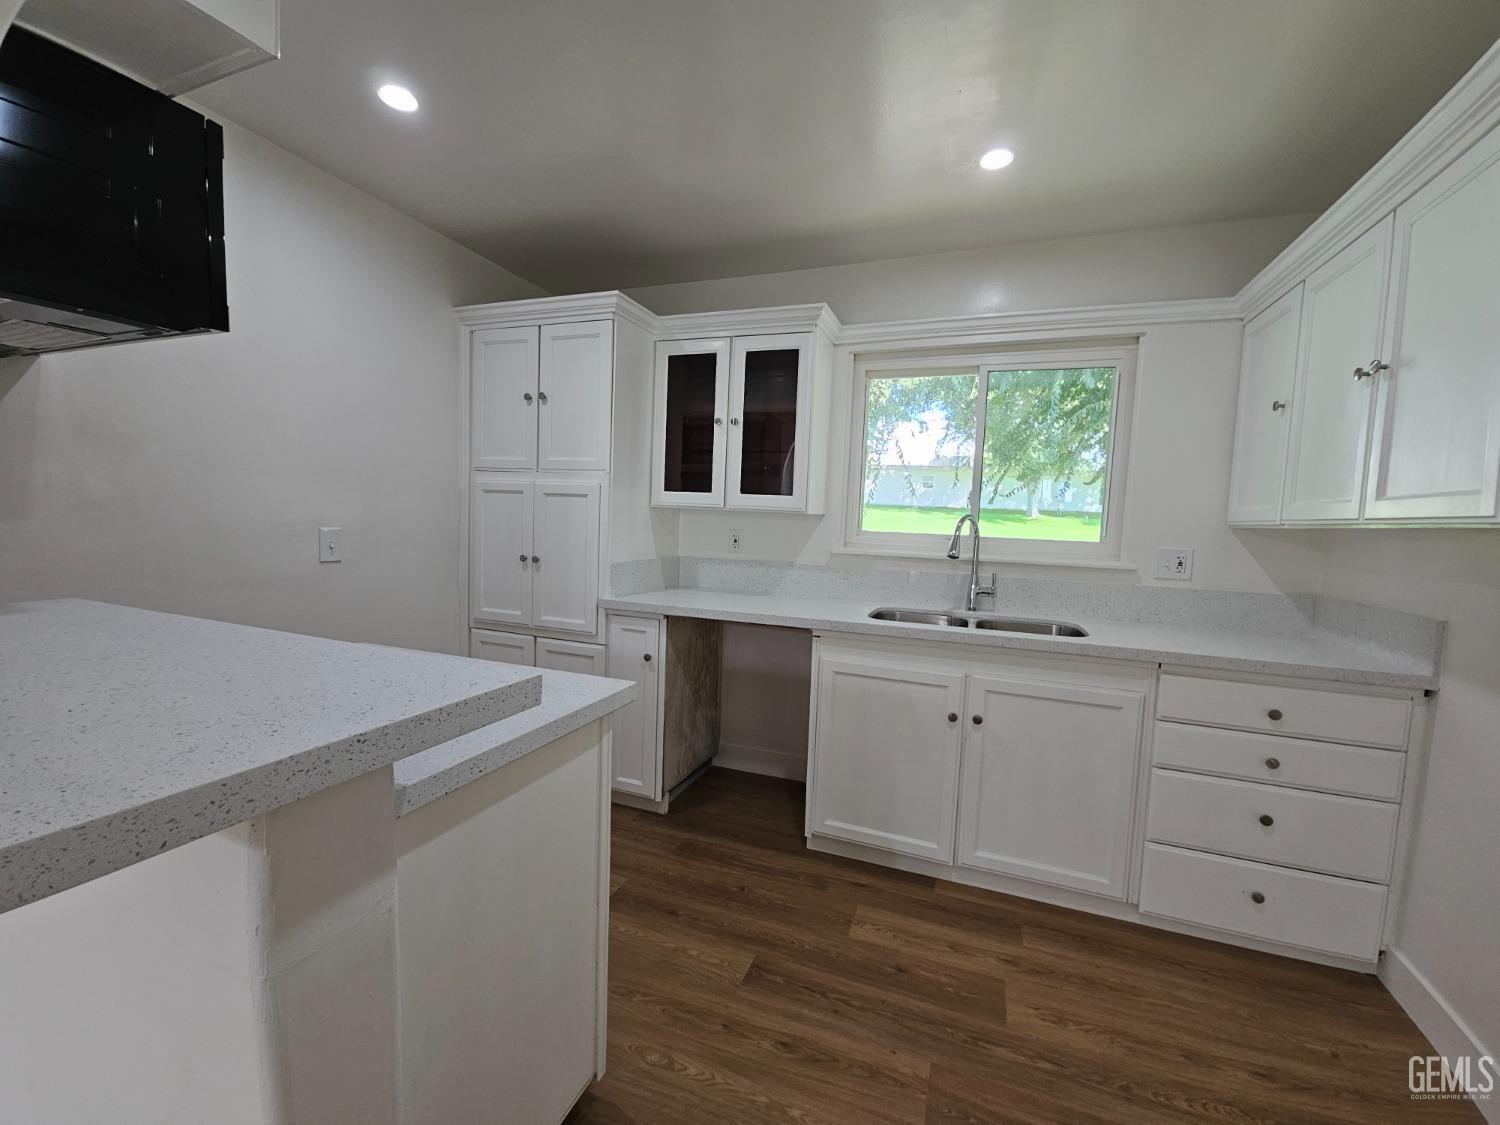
995, 549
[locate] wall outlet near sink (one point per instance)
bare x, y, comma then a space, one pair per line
1174, 563
736, 538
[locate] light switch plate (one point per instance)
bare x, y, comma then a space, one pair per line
1174, 563
329, 539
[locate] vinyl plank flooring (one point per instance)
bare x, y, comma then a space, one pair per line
753, 981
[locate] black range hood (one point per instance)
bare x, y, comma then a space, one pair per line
111, 206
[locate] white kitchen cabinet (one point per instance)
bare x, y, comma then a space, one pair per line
506, 648
885, 772
1437, 431
635, 654
500, 538
539, 396
770, 406
1338, 356
502, 402
565, 556
571, 656
689, 434
1048, 781
534, 552
573, 396
1268, 369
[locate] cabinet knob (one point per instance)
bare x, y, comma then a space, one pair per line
1267, 819
1273, 763
718, 421
523, 558
1274, 714
1277, 404
734, 421
536, 558
527, 397
953, 716
978, 720
647, 658
1257, 898
1375, 368
541, 396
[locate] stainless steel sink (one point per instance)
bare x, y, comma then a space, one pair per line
920, 617
1027, 625
958, 619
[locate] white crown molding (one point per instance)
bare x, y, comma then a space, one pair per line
1092, 319
553, 310
1464, 115
750, 322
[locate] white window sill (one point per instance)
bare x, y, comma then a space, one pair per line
986, 558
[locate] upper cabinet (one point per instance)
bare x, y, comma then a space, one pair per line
540, 396
1394, 409
1268, 366
741, 418
1437, 426
1342, 304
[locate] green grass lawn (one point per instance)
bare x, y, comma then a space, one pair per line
1001, 523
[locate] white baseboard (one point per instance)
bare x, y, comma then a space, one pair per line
761, 760
1434, 1016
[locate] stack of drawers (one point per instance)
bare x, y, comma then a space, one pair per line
1273, 810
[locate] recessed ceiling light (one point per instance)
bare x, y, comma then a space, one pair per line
996, 159
398, 97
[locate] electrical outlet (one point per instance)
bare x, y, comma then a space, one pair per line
328, 544
736, 537
1175, 563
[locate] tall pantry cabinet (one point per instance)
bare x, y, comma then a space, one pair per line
545, 379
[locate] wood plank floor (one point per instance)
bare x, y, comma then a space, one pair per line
754, 981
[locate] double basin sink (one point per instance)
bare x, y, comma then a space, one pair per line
962, 619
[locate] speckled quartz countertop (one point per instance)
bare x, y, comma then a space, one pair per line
125, 732
1229, 645
569, 701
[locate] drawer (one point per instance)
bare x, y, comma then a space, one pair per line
1355, 771
1296, 907
1333, 716
1318, 831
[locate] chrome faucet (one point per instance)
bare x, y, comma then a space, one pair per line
976, 591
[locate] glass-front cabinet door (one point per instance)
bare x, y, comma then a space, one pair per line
769, 397
692, 398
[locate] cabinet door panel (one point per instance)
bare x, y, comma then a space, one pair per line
1437, 432
505, 648
1048, 788
688, 434
634, 654
573, 406
500, 569
570, 656
1342, 307
565, 556
1268, 366
503, 398
770, 395
885, 755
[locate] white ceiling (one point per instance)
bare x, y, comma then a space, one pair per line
591, 144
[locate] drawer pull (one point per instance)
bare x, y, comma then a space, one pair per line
978, 719
1257, 898
1267, 819
1273, 763
953, 716
1274, 714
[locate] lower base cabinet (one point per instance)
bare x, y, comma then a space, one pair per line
1048, 783
995, 767
537, 652
634, 653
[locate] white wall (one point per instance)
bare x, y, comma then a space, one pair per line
1450, 925
191, 475
1206, 260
